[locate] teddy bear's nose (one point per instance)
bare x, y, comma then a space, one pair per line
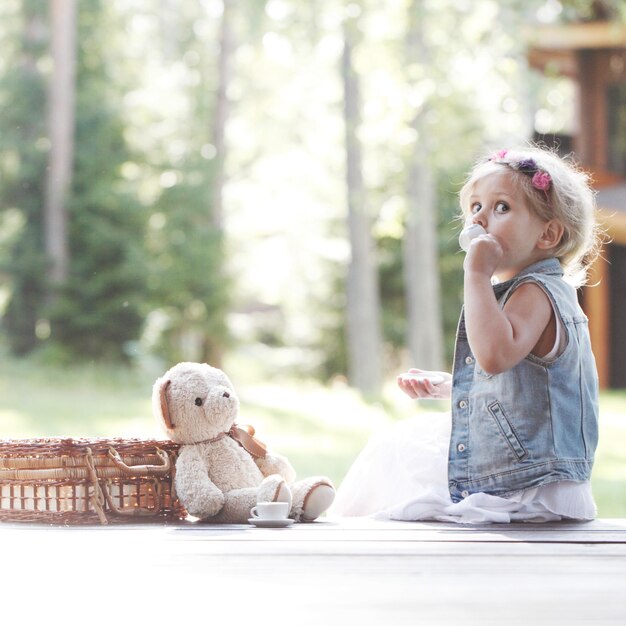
226, 395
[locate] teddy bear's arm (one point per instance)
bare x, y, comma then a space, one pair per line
276, 464
197, 493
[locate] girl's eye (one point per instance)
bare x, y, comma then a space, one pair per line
501, 207
475, 208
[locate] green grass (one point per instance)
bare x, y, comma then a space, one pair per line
321, 429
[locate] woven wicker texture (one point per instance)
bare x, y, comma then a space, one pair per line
86, 481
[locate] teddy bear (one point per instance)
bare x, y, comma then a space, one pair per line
222, 470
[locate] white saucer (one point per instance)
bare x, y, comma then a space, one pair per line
271, 523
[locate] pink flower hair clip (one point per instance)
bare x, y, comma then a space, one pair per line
541, 180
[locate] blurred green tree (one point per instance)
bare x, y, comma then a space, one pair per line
98, 311
188, 287
23, 152
171, 111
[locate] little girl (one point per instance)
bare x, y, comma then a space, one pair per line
520, 440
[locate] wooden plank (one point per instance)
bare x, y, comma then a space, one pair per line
373, 530
348, 524
398, 549
364, 530
391, 536
246, 541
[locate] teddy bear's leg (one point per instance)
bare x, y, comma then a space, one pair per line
201, 497
274, 488
238, 502
237, 505
311, 497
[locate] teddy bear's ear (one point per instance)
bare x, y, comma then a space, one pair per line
165, 409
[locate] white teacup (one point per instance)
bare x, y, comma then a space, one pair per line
469, 233
270, 510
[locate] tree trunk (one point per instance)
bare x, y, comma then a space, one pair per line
221, 114
212, 347
61, 118
420, 244
363, 306
168, 15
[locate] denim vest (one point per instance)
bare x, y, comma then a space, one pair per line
535, 423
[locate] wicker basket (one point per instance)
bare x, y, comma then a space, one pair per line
85, 481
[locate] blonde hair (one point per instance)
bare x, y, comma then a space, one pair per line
569, 199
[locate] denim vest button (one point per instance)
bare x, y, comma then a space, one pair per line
469, 360
463, 404
465, 493
461, 447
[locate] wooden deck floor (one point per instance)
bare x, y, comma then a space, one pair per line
331, 572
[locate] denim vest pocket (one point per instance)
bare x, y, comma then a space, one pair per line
497, 412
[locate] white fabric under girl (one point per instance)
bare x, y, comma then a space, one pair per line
402, 474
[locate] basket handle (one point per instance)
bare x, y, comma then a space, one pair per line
98, 498
134, 511
142, 470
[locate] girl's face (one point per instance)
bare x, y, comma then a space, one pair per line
504, 212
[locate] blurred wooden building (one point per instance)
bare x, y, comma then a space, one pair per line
593, 54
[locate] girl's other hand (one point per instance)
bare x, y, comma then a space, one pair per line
417, 383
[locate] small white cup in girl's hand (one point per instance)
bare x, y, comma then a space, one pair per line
469, 233
270, 511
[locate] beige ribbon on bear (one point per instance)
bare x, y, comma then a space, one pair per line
244, 436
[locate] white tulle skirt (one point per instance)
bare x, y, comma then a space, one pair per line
402, 474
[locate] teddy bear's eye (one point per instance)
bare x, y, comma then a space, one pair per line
198, 401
